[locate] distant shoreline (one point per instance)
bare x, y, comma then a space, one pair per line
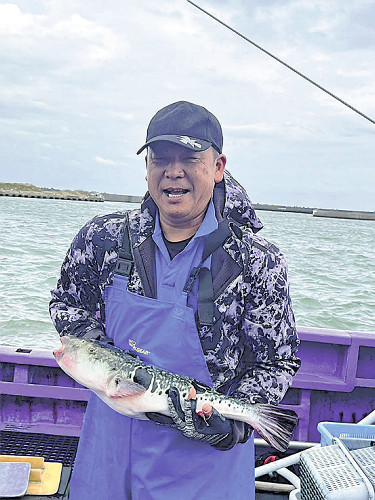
18, 190
319, 212
31, 191
50, 197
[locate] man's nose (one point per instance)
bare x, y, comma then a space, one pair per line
174, 169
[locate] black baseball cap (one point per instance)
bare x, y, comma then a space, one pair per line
186, 124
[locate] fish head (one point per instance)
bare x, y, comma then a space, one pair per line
84, 360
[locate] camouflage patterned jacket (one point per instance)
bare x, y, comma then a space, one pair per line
250, 349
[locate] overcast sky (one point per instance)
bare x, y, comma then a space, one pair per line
80, 80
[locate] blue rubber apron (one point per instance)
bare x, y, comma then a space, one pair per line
124, 458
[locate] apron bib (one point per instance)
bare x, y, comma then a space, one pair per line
120, 458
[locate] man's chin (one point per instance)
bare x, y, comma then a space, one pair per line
175, 205
178, 213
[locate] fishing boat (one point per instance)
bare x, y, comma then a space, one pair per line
42, 408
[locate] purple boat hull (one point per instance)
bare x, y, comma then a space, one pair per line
336, 382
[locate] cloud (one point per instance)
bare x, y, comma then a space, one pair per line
128, 117
96, 44
14, 22
252, 129
105, 161
69, 44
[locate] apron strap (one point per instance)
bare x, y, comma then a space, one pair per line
214, 241
205, 298
125, 260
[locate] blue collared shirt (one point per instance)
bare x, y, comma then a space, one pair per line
171, 275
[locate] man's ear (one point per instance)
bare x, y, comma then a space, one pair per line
220, 163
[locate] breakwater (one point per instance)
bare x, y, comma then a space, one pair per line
26, 190
283, 208
319, 212
126, 198
55, 194
52, 196
344, 214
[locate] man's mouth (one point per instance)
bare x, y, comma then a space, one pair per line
175, 192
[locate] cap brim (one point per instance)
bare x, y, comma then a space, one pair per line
191, 143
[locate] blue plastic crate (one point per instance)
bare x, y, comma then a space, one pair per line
330, 430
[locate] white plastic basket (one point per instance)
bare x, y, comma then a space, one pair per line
334, 473
330, 430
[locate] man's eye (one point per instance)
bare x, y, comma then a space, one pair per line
191, 159
159, 161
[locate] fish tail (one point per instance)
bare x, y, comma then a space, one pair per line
275, 425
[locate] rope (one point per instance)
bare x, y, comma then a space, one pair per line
284, 63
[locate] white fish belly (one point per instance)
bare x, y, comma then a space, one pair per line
136, 406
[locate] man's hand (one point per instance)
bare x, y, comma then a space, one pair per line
208, 426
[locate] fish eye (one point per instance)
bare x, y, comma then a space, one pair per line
91, 350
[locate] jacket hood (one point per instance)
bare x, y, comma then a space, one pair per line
232, 201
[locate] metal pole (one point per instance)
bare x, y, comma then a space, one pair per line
293, 445
274, 487
368, 420
290, 476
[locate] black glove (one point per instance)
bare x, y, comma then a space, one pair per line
220, 432
99, 335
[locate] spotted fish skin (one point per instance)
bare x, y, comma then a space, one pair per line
133, 388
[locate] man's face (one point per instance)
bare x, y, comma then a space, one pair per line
181, 181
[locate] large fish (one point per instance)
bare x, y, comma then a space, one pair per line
134, 388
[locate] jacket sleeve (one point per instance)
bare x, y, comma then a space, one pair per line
268, 326
78, 297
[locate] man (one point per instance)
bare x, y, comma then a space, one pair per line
186, 284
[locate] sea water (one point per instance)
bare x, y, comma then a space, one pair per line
331, 265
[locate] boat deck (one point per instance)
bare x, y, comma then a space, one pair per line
42, 409
52, 448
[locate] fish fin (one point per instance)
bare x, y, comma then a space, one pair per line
199, 387
119, 387
276, 425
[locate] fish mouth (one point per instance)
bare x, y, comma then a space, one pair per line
175, 192
59, 352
